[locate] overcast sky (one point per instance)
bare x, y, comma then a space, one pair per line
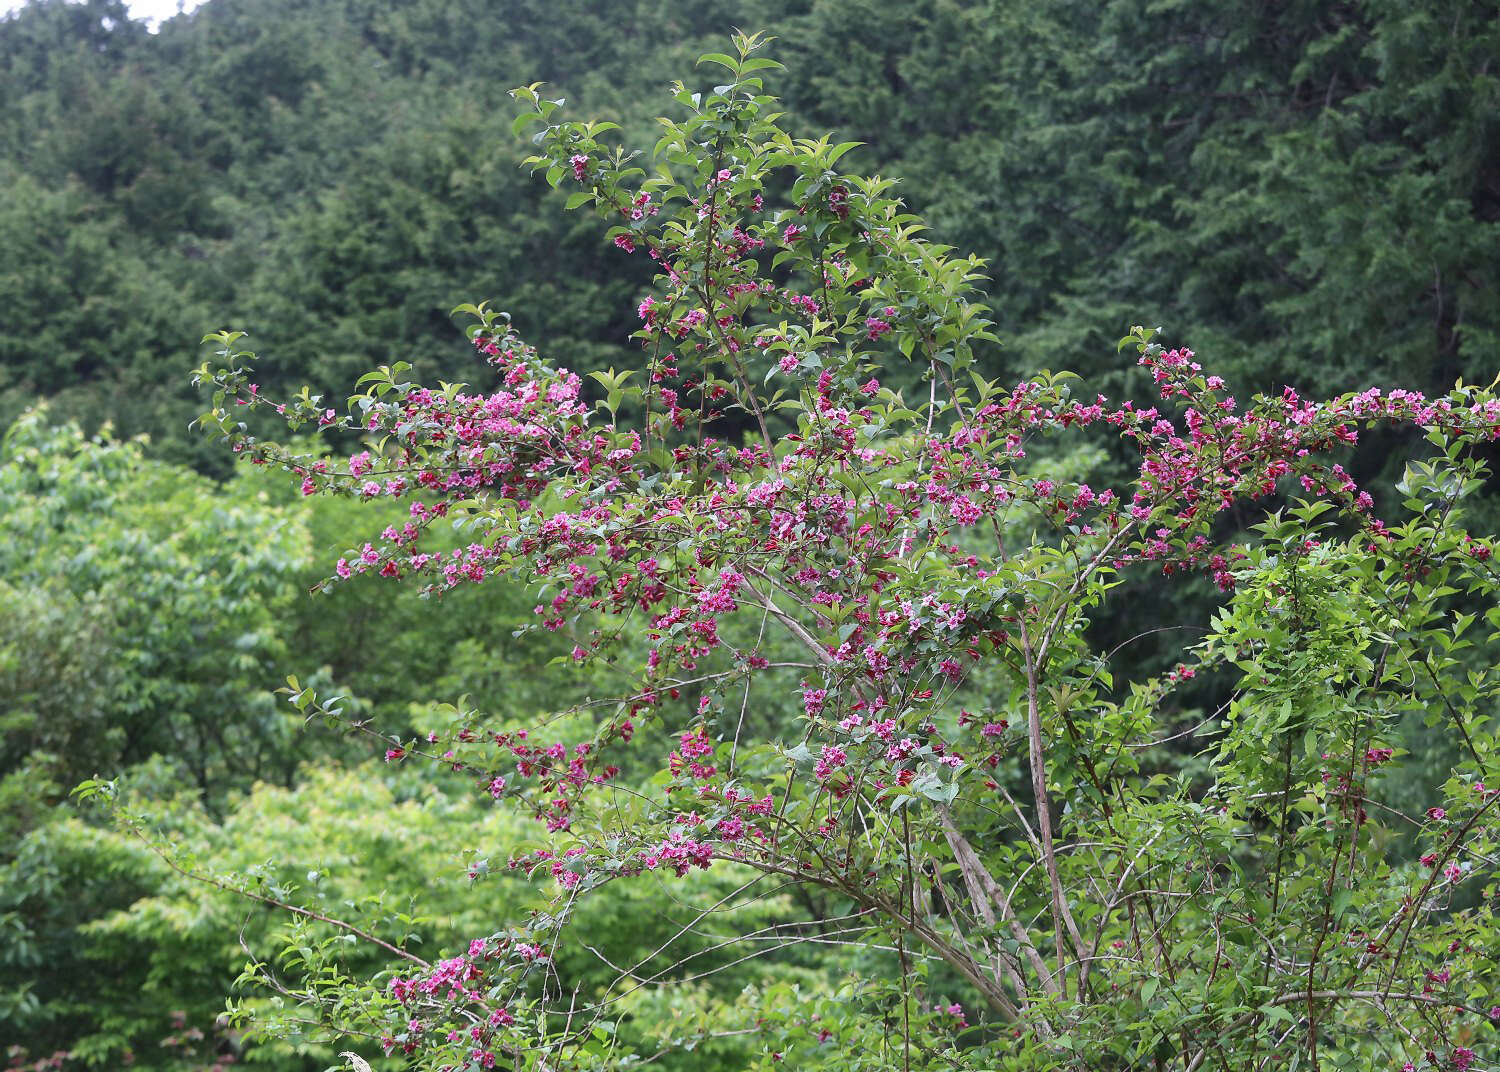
153, 11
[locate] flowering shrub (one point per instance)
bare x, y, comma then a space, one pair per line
1112, 879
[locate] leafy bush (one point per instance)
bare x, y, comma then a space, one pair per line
1075, 869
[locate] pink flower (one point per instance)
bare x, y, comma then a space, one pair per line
963, 510
730, 829
580, 165
831, 759
901, 750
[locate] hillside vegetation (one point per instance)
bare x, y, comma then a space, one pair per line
1308, 192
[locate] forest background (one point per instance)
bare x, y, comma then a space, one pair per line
1308, 192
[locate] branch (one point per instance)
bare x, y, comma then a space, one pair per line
985, 891
274, 902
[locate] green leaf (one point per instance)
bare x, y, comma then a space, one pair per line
719, 58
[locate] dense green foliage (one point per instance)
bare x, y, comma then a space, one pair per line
1309, 192
1312, 190
150, 613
